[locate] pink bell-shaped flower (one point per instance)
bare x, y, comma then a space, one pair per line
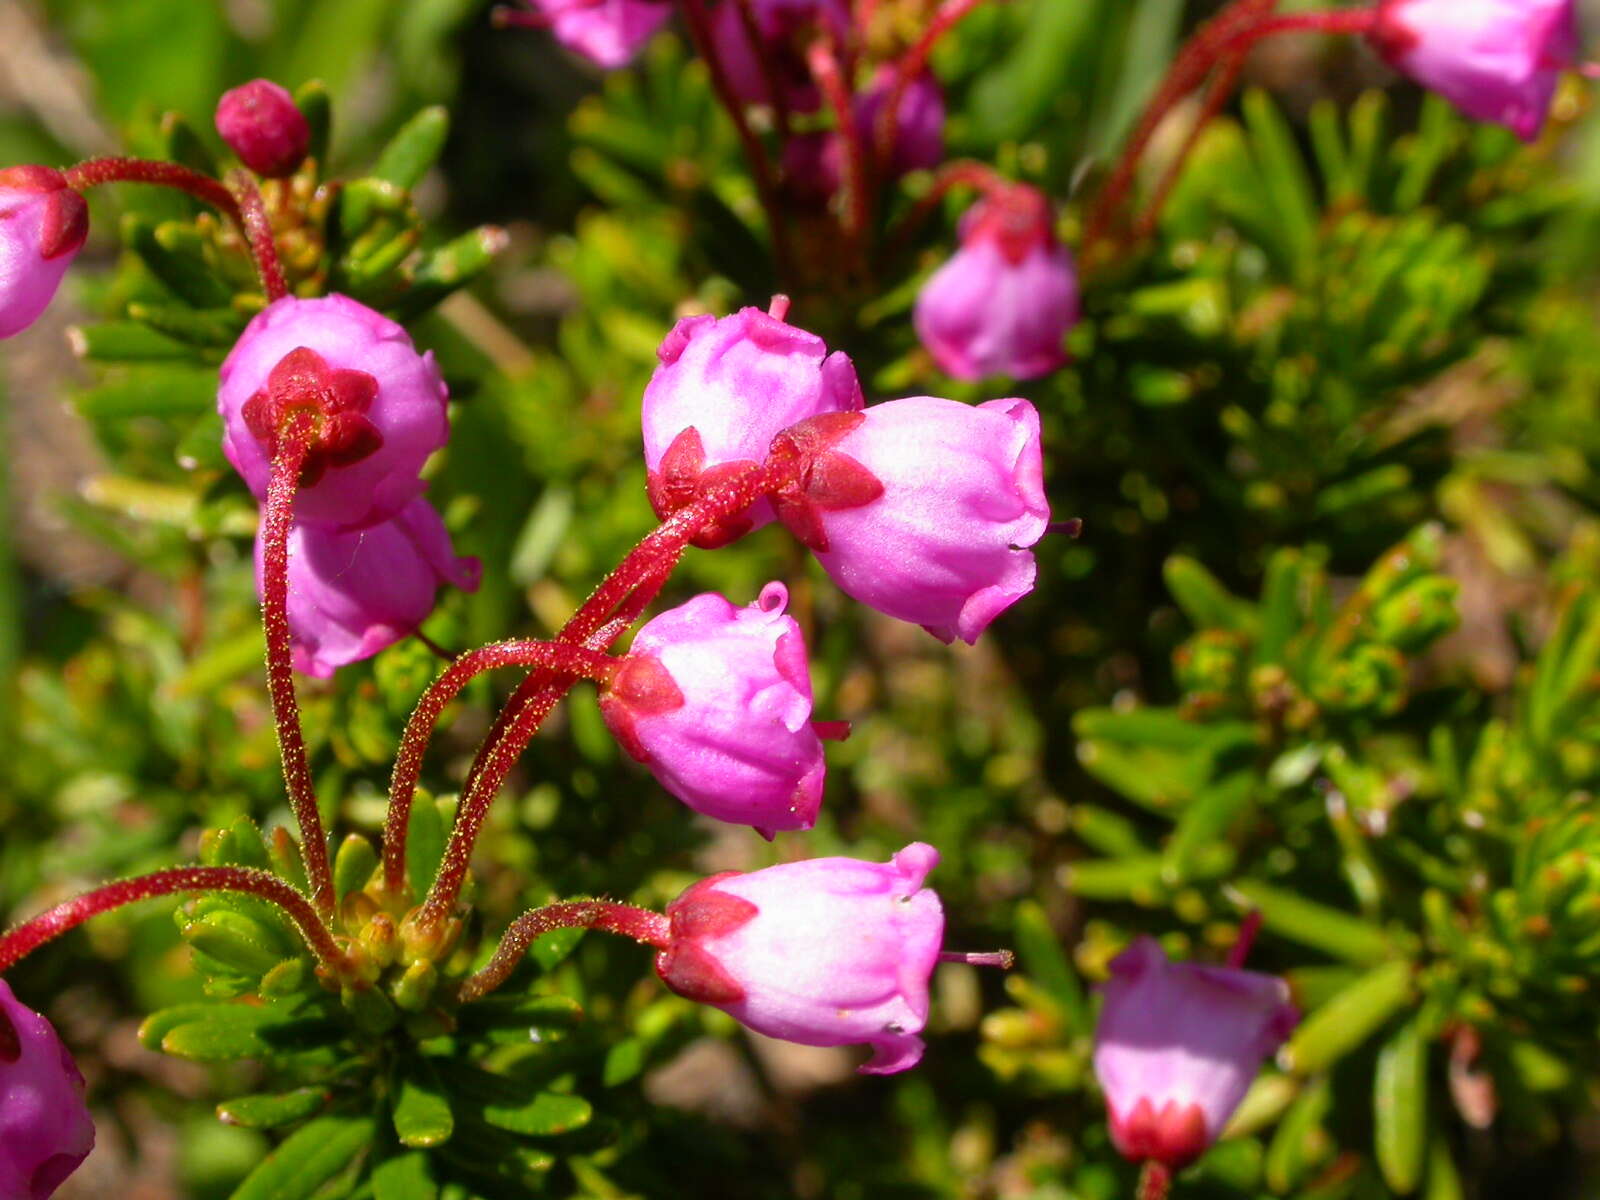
1177, 1047
1495, 60
606, 32
354, 593
380, 407
716, 701
1005, 300
813, 163
262, 125
43, 224
828, 952
45, 1129
725, 388
923, 508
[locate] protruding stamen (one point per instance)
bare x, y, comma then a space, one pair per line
1004, 959
778, 310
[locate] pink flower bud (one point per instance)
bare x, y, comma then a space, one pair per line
828, 952
380, 407
43, 224
716, 701
920, 507
354, 593
783, 26
606, 32
262, 125
45, 1130
725, 388
1177, 1047
1496, 60
1005, 300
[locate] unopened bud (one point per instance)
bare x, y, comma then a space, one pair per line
261, 123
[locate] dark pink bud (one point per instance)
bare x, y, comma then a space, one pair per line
45, 1129
43, 224
265, 128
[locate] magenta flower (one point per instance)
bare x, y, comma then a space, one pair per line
783, 25
43, 224
380, 407
716, 701
606, 32
262, 125
45, 1130
1005, 300
828, 952
725, 388
922, 508
1177, 1047
813, 163
1496, 60
354, 593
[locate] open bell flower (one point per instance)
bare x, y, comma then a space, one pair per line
353, 593
379, 407
1004, 301
1495, 60
827, 952
724, 388
45, 1129
1177, 1047
923, 508
43, 224
716, 701
606, 32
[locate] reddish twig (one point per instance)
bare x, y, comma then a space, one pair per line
823, 58
258, 234
912, 63
96, 171
963, 172
642, 925
770, 74
1155, 1181
23, 939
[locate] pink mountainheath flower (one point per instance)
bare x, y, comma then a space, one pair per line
262, 125
1006, 298
606, 32
45, 1130
1177, 1047
716, 701
923, 508
381, 407
813, 163
355, 592
1496, 60
828, 952
783, 26
725, 387
43, 224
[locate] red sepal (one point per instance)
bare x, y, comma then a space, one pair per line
691, 972
829, 480
66, 224
681, 477
338, 397
642, 687
1174, 1137
686, 966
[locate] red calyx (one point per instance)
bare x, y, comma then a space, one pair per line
1016, 217
642, 687
336, 397
829, 480
1174, 1137
1389, 35
681, 477
66, 215
686, 966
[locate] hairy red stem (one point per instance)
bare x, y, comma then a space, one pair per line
746, 10
574, 661
1155, 1181
823, 58
642, 925
95, 171
963, 172
27, 937
911, 65
258, 234
277, 516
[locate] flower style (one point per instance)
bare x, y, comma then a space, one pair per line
606, 32
1177, 1047
922, 508
43, 224
716, 701
45, 1129
828, 952
725, 388
1005, 300
379, 407
262, 125
1496, 60
354, 593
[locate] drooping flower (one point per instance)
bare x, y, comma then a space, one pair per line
45, 1128
43, 224
828, 952
1496, 60
606, 32
1005, 300
923, 508
781, 25
379, 405
725, 388
1177, 1047
355, 592
262, 125
716, 701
